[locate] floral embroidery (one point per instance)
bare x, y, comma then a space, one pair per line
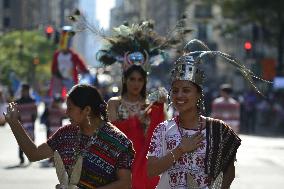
189, 163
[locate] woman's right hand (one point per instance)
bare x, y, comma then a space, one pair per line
189, 144
12, 113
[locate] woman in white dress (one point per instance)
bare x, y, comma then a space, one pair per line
191, 150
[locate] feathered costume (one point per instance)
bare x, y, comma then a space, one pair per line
66, 64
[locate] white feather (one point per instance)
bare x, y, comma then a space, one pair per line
76, 173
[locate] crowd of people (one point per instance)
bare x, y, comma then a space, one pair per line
129, 141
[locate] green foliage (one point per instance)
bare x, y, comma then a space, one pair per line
267, 14
17, 52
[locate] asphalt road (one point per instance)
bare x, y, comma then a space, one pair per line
260, 164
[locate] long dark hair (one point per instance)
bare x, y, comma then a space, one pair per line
128, 72
83, 95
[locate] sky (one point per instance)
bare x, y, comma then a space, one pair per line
103, 12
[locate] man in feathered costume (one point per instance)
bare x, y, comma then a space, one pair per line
66, 64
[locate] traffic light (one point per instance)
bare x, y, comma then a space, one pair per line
248, 48
48, 31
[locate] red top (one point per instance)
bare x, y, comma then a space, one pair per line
132, 128
78, 63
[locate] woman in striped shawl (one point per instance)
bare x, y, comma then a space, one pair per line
89, 152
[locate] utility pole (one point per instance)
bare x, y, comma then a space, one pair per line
62, 15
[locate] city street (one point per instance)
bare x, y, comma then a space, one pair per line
33, 176
260, 164
223, 59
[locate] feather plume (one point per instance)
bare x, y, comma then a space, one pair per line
60, 170
137, 37
76, 173
246, 73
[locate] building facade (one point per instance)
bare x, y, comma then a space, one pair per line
30, 14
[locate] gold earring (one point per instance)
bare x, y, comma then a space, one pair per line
89, 122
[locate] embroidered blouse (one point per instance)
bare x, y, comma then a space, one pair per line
204, 165
103, 154
189, 163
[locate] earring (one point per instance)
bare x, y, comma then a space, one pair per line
89, 121
169, 101
200, 104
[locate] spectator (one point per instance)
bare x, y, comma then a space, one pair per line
227, 108
27, 115
2, 107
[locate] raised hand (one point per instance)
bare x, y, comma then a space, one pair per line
12, 113
159, 95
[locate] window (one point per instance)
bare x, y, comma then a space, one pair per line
203, 11
202, 32
6, 22
6, 4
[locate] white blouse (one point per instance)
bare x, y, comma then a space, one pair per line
166, 138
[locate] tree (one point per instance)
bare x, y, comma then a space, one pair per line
18, 52
268, 15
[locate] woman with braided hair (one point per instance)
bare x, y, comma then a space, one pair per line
191, 150
89, 152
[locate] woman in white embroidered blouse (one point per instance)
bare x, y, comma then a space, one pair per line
188, 150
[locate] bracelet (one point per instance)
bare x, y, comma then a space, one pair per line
173, 156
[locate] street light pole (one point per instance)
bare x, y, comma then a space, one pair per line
62, 15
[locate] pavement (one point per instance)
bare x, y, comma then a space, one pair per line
260, 163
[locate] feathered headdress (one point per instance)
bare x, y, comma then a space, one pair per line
188, 66
137, 44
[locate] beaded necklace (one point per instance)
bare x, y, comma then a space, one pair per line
127, 108
177, 120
